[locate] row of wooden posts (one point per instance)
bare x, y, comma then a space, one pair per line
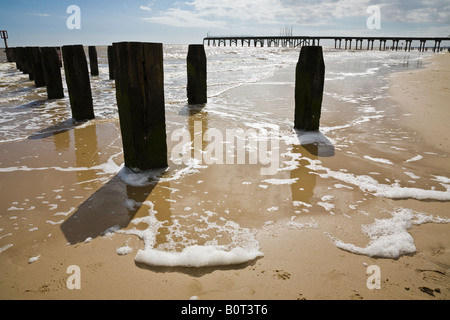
137, 69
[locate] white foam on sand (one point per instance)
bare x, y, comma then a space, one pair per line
109, 167
138, 179
122, 251
370, 185
380, 160
389, 238
34, 259
5, 247
298, 226
197, 256
144, 178
416, 158
242, 248
281, 181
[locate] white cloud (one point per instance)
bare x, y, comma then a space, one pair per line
145, 8
416, 11
225, 13
41, 14
176, 17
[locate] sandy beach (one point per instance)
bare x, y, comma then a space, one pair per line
421, 94
59, 215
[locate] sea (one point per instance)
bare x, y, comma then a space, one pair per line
251, 91
25, 110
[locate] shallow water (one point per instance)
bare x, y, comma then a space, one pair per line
212, 207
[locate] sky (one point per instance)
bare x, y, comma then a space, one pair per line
102, 22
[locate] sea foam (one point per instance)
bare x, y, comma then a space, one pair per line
243, 246
370, 185
197, 256
389, 238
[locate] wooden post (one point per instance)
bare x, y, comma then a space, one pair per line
36, 65
59, 52
111, 62
10, 54
309, 84
77, 78
52, 73
197, 74
93, 60
28, 61
139, 79
22, 66
19, 58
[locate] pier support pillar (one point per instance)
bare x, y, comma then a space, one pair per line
111, 62
10, 54
422, 45
93, 60
139, 79
29, 64
38, 70
20, 60
437, 45
78, 82
52, 73
197, 74
309, 84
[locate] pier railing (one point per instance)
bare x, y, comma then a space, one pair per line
340, 42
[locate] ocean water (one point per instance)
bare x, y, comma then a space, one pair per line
24, 109
250, 90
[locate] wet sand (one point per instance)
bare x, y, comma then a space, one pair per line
50, 211
422, 95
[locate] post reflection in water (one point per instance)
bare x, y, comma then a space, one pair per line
61, 141
312, 146
86, 151
197, 115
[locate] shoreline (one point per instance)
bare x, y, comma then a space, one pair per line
90, 200
422, 95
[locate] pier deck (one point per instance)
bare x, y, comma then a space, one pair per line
402, 43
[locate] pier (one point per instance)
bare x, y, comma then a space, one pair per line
340, 42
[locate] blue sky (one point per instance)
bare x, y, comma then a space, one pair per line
34, 22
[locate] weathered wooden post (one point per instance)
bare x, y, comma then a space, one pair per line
197, 74
10, 54
140, 98
52, 73
111, 62
23, 60
93, 60
19, 58
36, 65
309, 84
28, 61
77, 78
